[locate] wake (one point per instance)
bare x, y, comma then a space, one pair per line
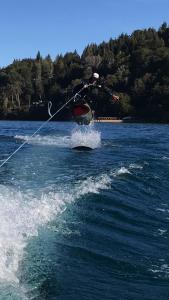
23, 214
81, 136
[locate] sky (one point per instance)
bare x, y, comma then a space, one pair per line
59, 26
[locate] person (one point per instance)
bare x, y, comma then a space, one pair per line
81, 111
82, 90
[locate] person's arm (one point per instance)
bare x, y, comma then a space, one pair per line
114, 97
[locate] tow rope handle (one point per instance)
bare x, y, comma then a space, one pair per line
49, 108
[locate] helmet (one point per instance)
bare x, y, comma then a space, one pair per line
96, 75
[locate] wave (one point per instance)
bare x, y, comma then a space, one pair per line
120, 171
22, 215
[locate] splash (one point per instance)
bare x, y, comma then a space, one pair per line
20, 218
85, 136
60, 141
22, 215
120, 171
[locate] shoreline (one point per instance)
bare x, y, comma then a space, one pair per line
95, 121
110, 120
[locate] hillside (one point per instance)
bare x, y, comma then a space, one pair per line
135, 67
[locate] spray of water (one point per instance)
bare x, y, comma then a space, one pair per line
80, 136
22, 214
85, 136
51, 140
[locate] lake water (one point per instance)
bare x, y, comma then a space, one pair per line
84, 225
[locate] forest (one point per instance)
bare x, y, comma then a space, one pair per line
135, 67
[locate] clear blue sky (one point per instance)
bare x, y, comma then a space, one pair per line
59, 26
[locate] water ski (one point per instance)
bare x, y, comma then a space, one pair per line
82, 148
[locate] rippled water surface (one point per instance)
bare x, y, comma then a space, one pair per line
84, 225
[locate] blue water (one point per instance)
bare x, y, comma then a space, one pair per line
84, 225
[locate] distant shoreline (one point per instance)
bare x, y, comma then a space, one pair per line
108, 121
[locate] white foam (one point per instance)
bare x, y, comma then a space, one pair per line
60, 141
165, 157
162, 231
164, 210
120, 171
82, 136
20, 220
22, 214
92, 185
161, 271
135, 166
85, 136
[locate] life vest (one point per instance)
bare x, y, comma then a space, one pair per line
82, 114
